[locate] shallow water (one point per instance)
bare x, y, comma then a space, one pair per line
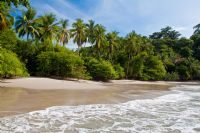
172, 113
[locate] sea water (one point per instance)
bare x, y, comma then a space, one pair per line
177, 112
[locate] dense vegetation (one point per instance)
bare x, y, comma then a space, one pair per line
40, 49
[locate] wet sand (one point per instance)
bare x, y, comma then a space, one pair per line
15, 101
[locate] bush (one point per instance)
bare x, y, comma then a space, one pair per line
8, 39
60, 64
120, 71
10, 65
100, 69
154, 69
171, 76
26, 51
146, 67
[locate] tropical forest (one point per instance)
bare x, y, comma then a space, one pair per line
32, 44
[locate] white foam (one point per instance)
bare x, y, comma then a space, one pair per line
178, 112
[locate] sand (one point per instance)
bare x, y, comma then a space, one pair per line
47, 83
23, 95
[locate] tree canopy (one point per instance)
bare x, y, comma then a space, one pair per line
39, 44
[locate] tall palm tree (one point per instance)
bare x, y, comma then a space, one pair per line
63, 33
99, 38
112, 39
90, 30
197, 29
48, 27
133, 42
78, 33
27, 24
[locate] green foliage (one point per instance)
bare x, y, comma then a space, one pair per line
182, 69
100, 69
6, 19
119, 71
171, 76
16, 2
60, 64
194, 69
166, 32
78, 32
27, 53
145, 67
154, 69
8, 39
161, 56
10, 65
27, 24
196, 46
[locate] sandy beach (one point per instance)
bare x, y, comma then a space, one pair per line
28, 94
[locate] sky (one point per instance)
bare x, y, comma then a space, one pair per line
124, 16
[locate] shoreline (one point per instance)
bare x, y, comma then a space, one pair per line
18, 96
49, 83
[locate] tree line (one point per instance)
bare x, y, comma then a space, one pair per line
40, 49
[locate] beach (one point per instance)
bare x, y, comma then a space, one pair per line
43, 105
18, 96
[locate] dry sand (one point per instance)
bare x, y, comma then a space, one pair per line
47, 83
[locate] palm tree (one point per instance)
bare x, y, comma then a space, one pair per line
99, 38
90, 30
27, 24
16, 3
133, 42
48, 27
64, 33
78, 32
6, 20
112, 39
197, 29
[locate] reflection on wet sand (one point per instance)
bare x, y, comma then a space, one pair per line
17, 100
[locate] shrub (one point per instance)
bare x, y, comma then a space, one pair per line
26, 51
8, 39
100, 69
120, 71
146, 67
171, 76
60, 64
10, 65
154, 69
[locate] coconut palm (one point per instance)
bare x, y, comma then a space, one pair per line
6, 20
78, 33
197, 29
48, 27
133, 42
112, 39
99, 38
90, 30
63, 33
26, 24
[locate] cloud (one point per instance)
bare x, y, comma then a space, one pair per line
143, 16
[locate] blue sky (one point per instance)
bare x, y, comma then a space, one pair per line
143, 16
